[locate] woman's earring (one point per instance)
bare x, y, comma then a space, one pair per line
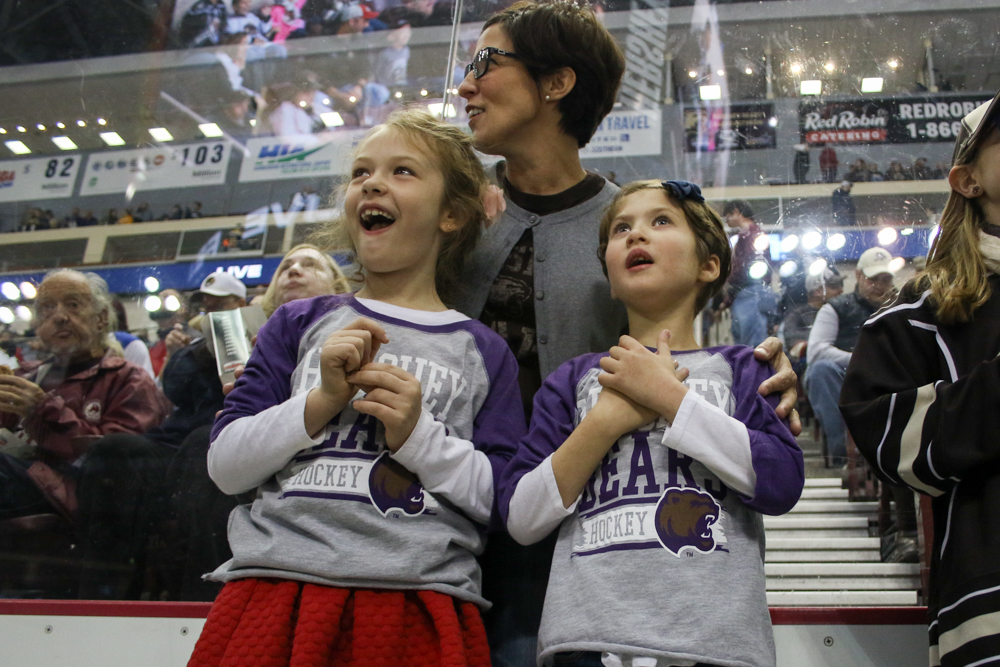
976, 190
547, 97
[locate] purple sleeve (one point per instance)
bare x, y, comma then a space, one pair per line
266, 381
499, 424
777, 458
552, 418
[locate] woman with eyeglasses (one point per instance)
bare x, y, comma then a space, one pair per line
545, 75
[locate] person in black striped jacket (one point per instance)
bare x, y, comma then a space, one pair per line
922, 399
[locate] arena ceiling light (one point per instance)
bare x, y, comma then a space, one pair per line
172, 303
41, 128
161, 134
894, 63
748, 70
6, 315
81, 123
398, 94
28, 290
811, 239
788, 269
423, 92
101, 121
3, 130
112, 139
61, 125
758, 270
811, 87
817, 267
896, 264
23, 313
906, 231
693, 73
872, 84
796, 68
152, 303
710, 92
790, 243
761, 243
772, 121
22, 128
887, 236
210, 129
151, 284
332, 119
10, 291
836, 242
17, 147
65, 143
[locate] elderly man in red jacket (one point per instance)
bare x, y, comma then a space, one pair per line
81, 393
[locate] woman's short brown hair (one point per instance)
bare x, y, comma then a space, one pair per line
548, 35
465, 182
709, 233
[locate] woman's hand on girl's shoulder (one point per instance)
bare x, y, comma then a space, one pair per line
783, 380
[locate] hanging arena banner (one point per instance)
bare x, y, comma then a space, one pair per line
899, 120
295, 156
750, 126
625, 134
38, 178
158, 168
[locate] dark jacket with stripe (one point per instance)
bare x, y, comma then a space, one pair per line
922, 400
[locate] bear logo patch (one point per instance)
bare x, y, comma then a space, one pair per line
394, 490
684, 519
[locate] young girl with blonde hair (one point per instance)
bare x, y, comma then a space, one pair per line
373, 427
922, 393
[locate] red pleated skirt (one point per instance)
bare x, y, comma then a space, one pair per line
277, 622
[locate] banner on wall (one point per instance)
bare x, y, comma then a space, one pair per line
300, 155
41, 178
181, 166
625, 134
886, 121
750, 126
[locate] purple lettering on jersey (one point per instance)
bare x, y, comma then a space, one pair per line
678, 462
609, 468
641, 466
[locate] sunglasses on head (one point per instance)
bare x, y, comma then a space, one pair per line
480, 65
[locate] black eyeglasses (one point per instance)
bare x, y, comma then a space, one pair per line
480, 65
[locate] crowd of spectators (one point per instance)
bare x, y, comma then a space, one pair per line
38, 219
110, 448
861, 171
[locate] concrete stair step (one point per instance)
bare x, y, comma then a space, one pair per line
824, 556
799, 543
800, 522
825, 493
842, 569
815, 533
841, 584
833, 507
823, 482
841, 598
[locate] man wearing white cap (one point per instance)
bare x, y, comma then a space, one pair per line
832, 339
219, 291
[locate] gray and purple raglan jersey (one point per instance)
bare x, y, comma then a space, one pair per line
663, 553
338, 509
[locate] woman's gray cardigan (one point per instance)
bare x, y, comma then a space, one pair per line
574, 312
